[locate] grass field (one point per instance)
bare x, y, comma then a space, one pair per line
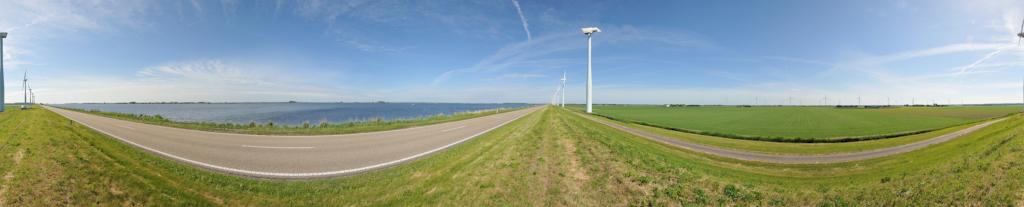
803, 124
322, 128
790, 147
551, 157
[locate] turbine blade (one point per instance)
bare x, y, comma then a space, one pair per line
1022, 26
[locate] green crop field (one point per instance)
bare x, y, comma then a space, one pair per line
804, 124
549, 158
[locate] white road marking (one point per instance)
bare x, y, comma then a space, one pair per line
294, 175
453, 129
126, 127
270, 147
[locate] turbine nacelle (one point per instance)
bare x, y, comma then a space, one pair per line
590, 30
1020, 35
3, 35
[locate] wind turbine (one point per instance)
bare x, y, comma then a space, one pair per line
563, 89
554, 97
31, 95
24, 90
589, 31
1020, 35
3, 35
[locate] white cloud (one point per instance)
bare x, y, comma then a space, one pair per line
518, 55
33, 23
199, 80
968, 68
526, 25
230, 7
369, 46
942, 50
539, 52
198, 6
521, 76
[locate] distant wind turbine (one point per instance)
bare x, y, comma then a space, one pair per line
3, 35
24, 90
31, 95
1020, 35
563, 89
554, 97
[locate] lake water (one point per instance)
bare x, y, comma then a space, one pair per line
290, 113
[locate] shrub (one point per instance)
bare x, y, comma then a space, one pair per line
699, 196
733, 192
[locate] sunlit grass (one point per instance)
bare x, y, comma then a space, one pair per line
551, 157
803, 124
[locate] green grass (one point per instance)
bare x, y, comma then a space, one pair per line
803, 124
307, 128
551, 157
789, 147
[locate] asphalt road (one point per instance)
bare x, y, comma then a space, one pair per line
293, 156
792, 159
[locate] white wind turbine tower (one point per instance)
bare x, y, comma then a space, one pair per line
1020, 35
3, 35
552, 102
24, 90
559, 91
554, 97
563, 89
589, 31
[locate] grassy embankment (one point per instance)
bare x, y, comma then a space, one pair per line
307, 128
804, 124
551, 157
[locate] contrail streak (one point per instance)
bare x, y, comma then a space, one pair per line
526, 26
979, 61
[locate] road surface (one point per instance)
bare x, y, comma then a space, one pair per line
293, 157
792, 159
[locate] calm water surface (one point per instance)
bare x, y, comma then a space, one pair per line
290, 113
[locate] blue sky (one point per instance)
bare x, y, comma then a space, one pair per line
702, 52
